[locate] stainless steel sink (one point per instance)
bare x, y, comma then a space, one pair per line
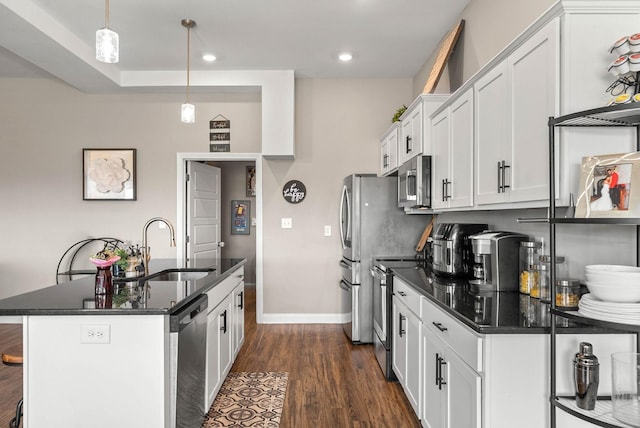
180, 275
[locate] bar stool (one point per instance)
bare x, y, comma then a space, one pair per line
14, 360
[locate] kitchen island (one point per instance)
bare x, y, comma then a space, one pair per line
86, 365
481, 358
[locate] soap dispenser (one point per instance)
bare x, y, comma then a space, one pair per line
586, 375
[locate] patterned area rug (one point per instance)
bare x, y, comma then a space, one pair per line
249, 400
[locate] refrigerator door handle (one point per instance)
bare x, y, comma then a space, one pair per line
345, 198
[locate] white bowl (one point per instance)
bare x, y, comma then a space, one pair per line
612, 277
620, 294
612, 268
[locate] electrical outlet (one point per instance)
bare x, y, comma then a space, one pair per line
95, 334
327, 231
287, 223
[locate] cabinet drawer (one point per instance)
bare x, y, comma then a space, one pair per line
407, 295
462, 340
220, 291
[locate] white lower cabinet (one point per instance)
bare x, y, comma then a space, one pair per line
225, 331
406, 341
448, 384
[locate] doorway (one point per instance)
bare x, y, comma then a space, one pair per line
181, 232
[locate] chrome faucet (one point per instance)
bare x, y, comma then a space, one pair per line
145, 248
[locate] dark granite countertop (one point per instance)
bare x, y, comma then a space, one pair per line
137, 297
486, 312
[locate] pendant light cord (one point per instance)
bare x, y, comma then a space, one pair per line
188, 58
106, 14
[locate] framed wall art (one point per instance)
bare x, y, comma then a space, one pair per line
251, 181
607, 186
109, 174
240, 217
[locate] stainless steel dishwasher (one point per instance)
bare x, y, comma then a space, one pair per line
188, 340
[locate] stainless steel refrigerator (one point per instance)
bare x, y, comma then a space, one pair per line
371, 225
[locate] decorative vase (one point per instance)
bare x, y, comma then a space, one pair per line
104, 287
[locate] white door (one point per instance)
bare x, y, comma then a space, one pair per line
203, 212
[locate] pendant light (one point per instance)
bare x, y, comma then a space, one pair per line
188, 109
107, 41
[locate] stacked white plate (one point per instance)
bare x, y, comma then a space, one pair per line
625, 313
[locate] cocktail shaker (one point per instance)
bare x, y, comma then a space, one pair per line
586, 375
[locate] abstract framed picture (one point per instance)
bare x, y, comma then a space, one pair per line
109, 174
607, 186
251, 181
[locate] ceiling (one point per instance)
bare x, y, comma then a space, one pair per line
388, 38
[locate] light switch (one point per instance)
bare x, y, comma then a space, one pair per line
286, 223
253, 221
327, 230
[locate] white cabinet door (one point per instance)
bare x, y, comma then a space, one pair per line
225, 334
513, 103
389, 151
440, 132
406, 352
411, 142
493, 114
238, 318
213, 379
399, 343
460, 189
413, 374
451, 389
463, 391
433, 400
533, 71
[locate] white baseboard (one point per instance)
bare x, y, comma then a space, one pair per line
304, 318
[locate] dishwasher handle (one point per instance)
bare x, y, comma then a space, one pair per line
182, 318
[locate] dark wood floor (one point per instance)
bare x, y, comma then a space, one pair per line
10, 377
332, 383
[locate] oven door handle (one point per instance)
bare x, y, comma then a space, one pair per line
383, 289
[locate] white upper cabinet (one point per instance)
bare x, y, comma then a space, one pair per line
514, 101
415, 127
452, 136
389, 150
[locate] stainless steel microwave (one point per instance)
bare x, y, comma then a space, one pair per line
414, 183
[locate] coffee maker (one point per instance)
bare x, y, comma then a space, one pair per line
495, 260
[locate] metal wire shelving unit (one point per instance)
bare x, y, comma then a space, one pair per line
626, 115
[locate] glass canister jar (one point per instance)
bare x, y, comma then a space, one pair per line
567, 293
529, 256
541, 286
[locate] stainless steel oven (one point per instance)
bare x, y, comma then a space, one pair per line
382, 273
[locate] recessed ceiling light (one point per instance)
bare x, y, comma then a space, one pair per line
345, 57
209, 57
